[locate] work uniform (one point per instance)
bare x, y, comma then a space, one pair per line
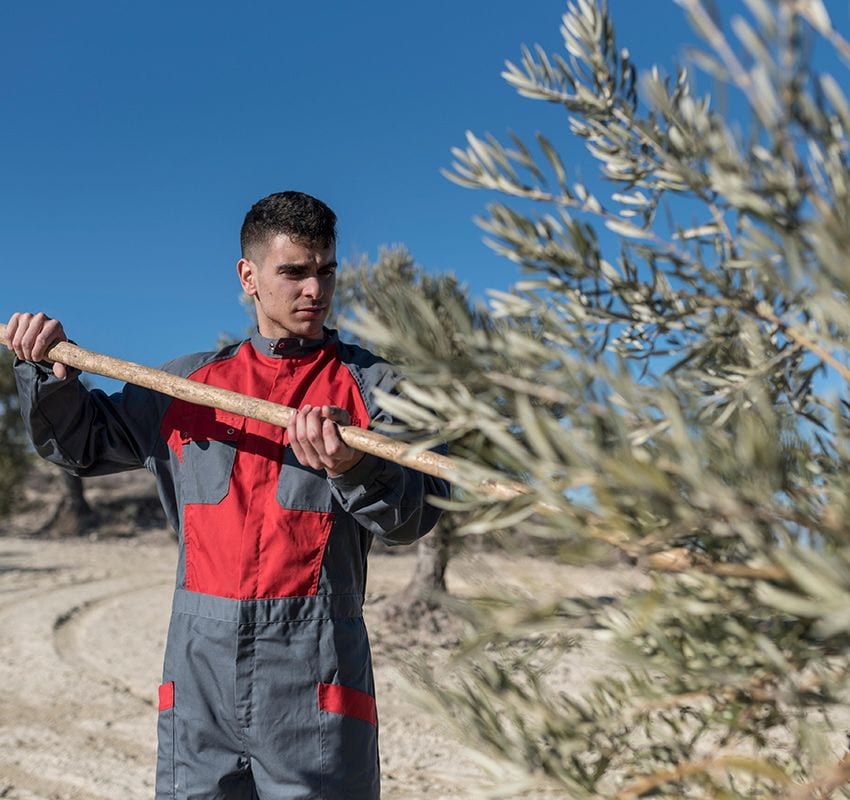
267, 685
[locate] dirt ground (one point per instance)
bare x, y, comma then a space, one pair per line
82, 629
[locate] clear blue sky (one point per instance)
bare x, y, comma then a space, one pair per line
136, 135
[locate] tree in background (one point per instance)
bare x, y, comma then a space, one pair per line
669, 381
14, 458
393, 288
73, 515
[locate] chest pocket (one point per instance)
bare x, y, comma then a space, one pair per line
205, 441
302, 488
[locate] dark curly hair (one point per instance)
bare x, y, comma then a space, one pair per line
302, 218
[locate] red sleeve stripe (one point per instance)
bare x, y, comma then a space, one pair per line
350, 702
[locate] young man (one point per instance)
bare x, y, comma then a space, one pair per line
267, 687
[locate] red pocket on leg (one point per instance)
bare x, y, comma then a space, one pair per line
351, 702
166, 696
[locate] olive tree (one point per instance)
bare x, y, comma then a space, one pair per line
668, 380
395, 287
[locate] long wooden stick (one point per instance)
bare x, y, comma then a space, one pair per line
214, 397
365, 441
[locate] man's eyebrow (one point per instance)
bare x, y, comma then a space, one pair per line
305, 265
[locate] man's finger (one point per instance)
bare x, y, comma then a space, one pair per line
293, 431
47, 336
27, 334
313, 428
315, 439
11, 326
300, 442
20, 324
330, 436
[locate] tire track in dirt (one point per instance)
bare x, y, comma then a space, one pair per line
96, 728
39, 787
16, 596
58, 756
77, 721
82, 626
72, 637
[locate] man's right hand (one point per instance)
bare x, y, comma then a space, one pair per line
30, 336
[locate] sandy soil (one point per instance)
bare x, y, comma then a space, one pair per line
82, 627
82, 631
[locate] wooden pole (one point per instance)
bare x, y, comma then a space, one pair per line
203, 395
363, 440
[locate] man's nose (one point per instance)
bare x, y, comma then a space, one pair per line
312, 287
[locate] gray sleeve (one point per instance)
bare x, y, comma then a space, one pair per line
385, 498
87, 432
389, 500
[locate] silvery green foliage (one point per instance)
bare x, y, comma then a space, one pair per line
439, 321
668, 380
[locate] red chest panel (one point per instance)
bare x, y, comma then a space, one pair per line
255, 523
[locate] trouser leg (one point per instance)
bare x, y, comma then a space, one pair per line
201, 755
314, 730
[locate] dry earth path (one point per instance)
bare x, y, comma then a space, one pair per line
82, 629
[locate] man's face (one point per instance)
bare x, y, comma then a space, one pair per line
292, 285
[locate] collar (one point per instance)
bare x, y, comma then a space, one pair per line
291, 348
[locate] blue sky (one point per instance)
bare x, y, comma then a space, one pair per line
136, 135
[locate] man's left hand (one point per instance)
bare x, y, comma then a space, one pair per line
315, 439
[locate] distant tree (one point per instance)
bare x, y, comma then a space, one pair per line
72, 516
14, 456
669, 379
391, 288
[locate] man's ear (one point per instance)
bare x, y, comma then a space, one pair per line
247, 270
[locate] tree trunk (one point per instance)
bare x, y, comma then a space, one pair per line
73, 515
77, 504
418, 605
432, 558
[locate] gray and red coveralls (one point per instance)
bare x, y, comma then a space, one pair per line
267, 685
